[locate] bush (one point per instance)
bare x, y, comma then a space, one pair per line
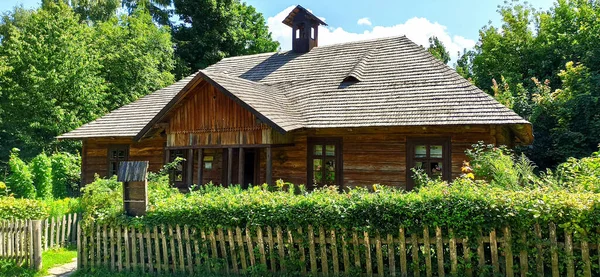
66, 169
41, 169
20, 181
14, 208
578, 174
102, 199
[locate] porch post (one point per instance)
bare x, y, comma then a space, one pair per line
269, 169
200, 166
241, 168
190, 167
229, 165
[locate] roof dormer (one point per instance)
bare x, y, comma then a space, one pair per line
305, 29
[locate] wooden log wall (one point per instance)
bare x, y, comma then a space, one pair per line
208, 117
315, 251
95, 154
375, 155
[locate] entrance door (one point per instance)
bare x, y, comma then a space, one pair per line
250, 166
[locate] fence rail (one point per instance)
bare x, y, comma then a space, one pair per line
432, 252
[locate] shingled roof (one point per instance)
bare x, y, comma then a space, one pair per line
394, 82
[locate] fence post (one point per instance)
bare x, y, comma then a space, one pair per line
36, 243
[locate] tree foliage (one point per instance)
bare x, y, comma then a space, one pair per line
211, 30
41, 170
438, 50
20, 181
57, 73
546, 66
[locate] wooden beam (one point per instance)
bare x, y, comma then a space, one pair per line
229, 166
190, 168
269, 170
200, 166
241, 168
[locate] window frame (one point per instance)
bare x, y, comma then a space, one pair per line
338, 158
110, 160
411, 160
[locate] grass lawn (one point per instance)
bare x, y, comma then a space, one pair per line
50, 258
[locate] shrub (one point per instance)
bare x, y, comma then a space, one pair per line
41, 169
14, 208
4, 191
578, 174
66, 176
20, 181
102, 199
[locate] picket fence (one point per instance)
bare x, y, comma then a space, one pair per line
317, 251
23, 241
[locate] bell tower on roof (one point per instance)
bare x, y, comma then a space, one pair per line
305, 29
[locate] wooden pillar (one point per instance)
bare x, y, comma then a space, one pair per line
83, 163
241, 168
36, 244
200, 166
190, 167
229, 166
269, 170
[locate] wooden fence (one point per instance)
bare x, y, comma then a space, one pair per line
542, 251
20, 241
23, 241
60, 231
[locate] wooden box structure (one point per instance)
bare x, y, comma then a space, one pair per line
134, 176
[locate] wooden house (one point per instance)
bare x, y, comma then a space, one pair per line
350, 114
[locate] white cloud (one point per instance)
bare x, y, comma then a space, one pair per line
364, 21
417, 29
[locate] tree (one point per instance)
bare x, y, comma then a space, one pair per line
464, 64
19, 182
438, 50
214, 29
57, 73
93, 10
41, 170
160, 10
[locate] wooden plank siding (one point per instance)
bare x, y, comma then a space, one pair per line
95, 152
208, 117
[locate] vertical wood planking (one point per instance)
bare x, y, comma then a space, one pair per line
569, 254
223, 247
156, 238
63, 241
85, 247
323, 247
149, 250
508, 252
554, 250
453, 254
165, 254
240, 242
105, 243
494, 252
250, 247
467, 257
356, 250
133, 246
232, 251
127, 249
261, 247
427, 250
79, 246
119, 251
480, 253
402, 250
280, 248
379, 254
311, 250
585, 257
439, 244
271, 249
391, 255
368, 261
188, 249
302, 252
345, 255
142, 265
196, 238
415, 254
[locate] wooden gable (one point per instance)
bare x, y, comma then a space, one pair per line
207, 117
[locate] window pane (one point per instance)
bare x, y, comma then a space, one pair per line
420, 151
317, 172
330, 173
435, 151
436, 169
121, 155
330, 150
318, 150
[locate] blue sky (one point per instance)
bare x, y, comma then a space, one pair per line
456, 22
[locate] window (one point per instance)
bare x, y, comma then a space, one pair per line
324, 162
178, 172
430, 154
116, 154
208, 162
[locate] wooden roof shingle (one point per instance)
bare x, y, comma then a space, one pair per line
398, 84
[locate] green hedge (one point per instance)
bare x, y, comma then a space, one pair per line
466, 206
20, 208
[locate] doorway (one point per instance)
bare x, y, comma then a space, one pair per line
251, 166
